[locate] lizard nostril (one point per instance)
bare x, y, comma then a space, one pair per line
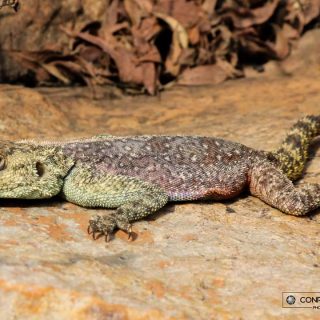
40, 168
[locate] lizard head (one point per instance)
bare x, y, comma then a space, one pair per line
30, 171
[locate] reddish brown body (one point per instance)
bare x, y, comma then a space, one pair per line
187, 168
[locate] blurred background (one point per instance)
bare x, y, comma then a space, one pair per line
144, 46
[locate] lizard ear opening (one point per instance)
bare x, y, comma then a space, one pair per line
2, 162
40, 168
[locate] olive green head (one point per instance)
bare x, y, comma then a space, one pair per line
31, 172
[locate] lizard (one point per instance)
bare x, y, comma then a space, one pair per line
138, 175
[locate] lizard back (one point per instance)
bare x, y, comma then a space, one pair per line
186, 167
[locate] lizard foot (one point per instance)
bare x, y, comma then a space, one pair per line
105, 225
102, 226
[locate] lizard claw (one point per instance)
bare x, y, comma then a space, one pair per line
107, 238
101, 226
100, 234
130, 233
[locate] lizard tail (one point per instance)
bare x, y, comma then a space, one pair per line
292, 155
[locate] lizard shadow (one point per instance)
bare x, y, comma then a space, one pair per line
29, 203
171, 206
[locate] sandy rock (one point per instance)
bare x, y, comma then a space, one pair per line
205, 260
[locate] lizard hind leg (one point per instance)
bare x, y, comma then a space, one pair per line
270, 185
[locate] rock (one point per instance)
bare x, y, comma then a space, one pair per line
204, 260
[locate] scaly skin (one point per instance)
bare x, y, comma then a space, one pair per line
139, 175
293, 152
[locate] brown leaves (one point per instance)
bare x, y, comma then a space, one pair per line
145, 44
245, 17
10, 3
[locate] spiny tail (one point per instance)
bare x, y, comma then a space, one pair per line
292, 155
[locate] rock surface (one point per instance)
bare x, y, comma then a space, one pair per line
205, 260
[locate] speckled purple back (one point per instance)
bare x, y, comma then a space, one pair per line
187, 168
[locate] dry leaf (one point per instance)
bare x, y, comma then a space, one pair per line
281, 46
53, 70
179, 42
187, 13
209, 5
134, 11
244, 18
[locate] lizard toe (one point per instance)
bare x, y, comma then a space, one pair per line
126, 226
130, 233
97, 235
101, 226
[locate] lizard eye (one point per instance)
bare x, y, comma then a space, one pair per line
2, 162
40, 169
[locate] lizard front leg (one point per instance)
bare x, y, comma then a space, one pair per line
133, 198
272, 186
138, 207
